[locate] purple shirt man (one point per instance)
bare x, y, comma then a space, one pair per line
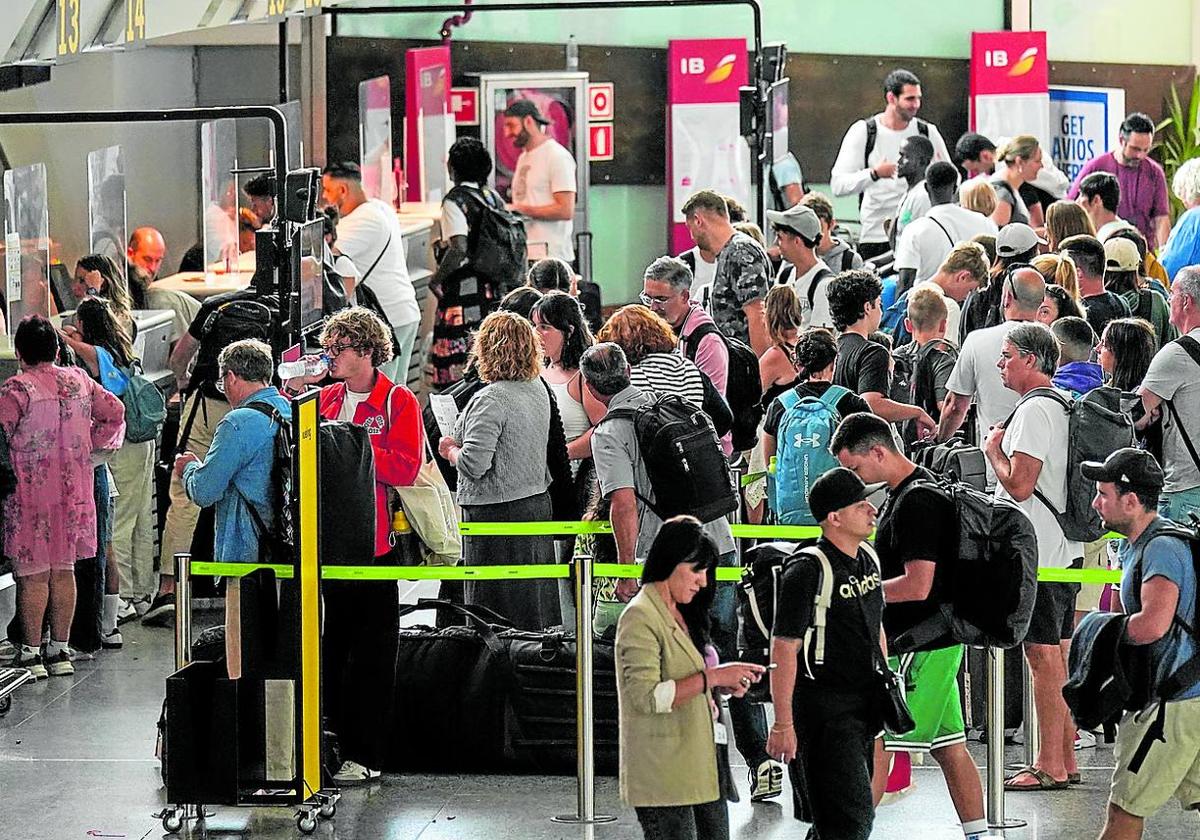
1144, 202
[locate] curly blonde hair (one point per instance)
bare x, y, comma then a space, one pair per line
363, 330
507, 349
639, 332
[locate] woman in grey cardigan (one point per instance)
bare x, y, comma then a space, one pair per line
499, 448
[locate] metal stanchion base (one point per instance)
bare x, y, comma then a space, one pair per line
575, 819
1007, 824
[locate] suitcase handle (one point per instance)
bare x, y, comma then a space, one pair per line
481, 624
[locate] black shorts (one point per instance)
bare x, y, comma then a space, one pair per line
1053, 613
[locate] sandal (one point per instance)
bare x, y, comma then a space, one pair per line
1044, 781
1074, 778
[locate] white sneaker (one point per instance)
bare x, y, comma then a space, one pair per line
113, 640
1084, 739
352, 771
127, 611
8, 652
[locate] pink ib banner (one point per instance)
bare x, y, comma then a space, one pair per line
1010, 83
704, 147
429, 125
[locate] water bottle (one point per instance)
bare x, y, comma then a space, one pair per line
572, 53
306, 366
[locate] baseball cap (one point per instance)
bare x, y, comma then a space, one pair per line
1016, 238
1128, 466
837, 489
1121, 255
525, 108
799, 218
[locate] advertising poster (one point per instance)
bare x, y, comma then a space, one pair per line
1084, 123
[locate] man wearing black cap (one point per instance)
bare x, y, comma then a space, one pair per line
825, 717
1158, 594
543, 185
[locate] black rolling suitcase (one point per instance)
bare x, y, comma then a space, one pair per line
972, 684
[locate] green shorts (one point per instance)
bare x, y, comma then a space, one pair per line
931, 678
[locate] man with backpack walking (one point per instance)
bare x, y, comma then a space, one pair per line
916, 532
1029, 453
826, 646
866, 161
646, 484
1159, 595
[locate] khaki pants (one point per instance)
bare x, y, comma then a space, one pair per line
133, 525
181, 518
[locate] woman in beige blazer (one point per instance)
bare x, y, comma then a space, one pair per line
666, 672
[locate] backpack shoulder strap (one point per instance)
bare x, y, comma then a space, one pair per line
689, 257
943, 227
789, 398
691, 344
814, 637
1145, 307
869, 146
812, 287
922, 127
1189, 345
847, 259
833, 395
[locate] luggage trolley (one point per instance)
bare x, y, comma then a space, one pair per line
255, 741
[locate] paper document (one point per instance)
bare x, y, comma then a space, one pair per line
445, 411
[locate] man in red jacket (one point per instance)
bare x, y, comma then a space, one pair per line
361, 617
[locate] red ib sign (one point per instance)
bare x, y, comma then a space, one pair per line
464, 104
1008, 62
600, 141
706, 70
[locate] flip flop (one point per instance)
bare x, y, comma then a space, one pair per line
1044, 781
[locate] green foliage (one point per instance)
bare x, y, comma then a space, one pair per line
1180, 137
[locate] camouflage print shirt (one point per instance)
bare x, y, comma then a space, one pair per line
742, 276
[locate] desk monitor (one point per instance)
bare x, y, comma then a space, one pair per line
308, 254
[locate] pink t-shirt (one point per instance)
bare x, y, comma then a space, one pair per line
1143, 191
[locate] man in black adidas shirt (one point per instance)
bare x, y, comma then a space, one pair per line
823, 688
916, 532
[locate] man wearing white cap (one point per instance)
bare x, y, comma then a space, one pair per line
798, 233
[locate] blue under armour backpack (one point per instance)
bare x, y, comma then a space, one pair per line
802, 451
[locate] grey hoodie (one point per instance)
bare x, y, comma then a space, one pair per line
834, 256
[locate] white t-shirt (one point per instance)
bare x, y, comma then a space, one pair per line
953, 310
371, 232
350, 405
454, 221
702, 277
540, 173
913, 206
881, 199
1174, 376
816, 315
927, 241
1109, 228
975, 374
1039, 429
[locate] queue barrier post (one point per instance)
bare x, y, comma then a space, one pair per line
585, 735
995, 742
183, 609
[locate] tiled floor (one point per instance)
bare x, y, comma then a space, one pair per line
76, 761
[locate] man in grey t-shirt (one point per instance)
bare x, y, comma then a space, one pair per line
1172, 386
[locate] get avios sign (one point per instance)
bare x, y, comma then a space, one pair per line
1008, 62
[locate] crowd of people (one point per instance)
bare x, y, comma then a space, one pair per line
968, 310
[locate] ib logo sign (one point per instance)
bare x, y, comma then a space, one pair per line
999, 60
696, 66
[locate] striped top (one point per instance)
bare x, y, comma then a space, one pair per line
669, 374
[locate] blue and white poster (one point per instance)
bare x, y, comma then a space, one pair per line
1084, 122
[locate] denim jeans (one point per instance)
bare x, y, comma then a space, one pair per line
1179, 504
709, 821
749, 719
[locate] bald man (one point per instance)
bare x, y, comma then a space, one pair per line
976, 375
146, 251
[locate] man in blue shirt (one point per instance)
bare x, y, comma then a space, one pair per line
236, 471
1158, 593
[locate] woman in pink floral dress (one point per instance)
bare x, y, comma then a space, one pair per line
55, 418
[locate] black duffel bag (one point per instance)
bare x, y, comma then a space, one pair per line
484, 698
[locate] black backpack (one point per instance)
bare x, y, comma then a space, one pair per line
912, 378
496, 248
687, 469
233, 320
986, 596
277, 541
743, 388
758, 597
1097, 427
